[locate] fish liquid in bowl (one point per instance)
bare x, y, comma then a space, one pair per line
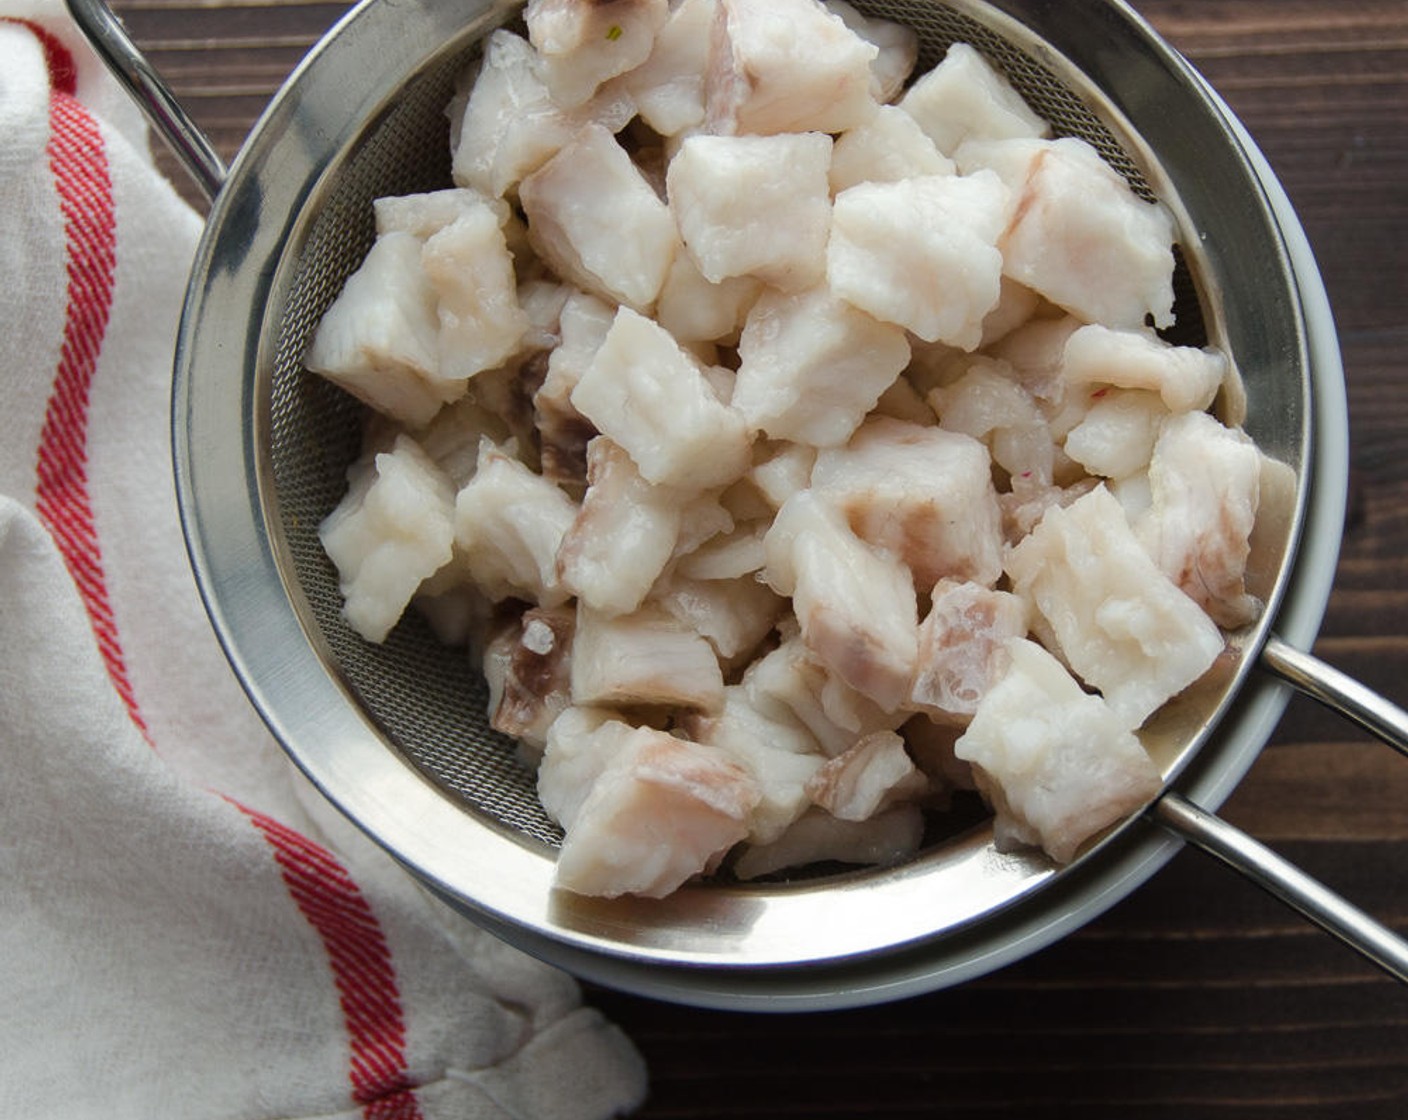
778, 442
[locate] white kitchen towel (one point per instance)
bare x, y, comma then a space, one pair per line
183, 932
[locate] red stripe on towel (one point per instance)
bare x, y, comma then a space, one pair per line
361, 967
79, 164
322, 889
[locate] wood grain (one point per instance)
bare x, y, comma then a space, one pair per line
1198, 996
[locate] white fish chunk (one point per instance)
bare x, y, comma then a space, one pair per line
754, 206
1205, 482
511, 126
871, 776
452, 439
563, 432
730, 555
989, 404
1119, 622
964, 98
811, 366
1115, 439
888, 838
1026, 503
595, 219
922, 493
855, 603
921, 253
1187, 378
643, 659
779, 752
379, 340
651, 397
1056, 762
963, 648
424, 215
901, 401
1016, 306
623, 535
668, 87
780, 66
888, 147
695, 310
528, 668
476, 292
509, 525
583, 43
1035, 356
392, 531
734, 615
788, 683
897, 46
781, 470
1079, 235
657, 810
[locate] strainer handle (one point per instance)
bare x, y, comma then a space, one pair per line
1286, 881
109, 38
1337, 691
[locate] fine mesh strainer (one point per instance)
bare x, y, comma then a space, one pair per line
396, 735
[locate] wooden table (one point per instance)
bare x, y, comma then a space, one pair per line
1198, 996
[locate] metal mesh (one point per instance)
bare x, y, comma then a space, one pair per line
427, 699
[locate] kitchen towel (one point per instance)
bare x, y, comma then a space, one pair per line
186, 931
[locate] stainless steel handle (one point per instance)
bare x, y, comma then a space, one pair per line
1362, 706
1286, 881
1370, 711
102, 29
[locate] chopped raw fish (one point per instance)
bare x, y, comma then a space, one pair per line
1186, 377
695, 310
920, 492
1057, 763
623, 535
898, 48
868, 778
469, 266
989, 404
855, 603
1117, 434
1117, 620
754, 206
668, 87
963, 647
511, 126
811, 366
453, 437
380, 338
564, 433
788, 683
782, 470
643, 659
391, 531
598, 222
921, 253
779, 66
651, 397
509, 524
779, 752
731, 555
888, 147
1204, 483
816, 836
963, 98
1078, 234
424, 215
583, 43
656, 811
930, 743
735, 615
528, 670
